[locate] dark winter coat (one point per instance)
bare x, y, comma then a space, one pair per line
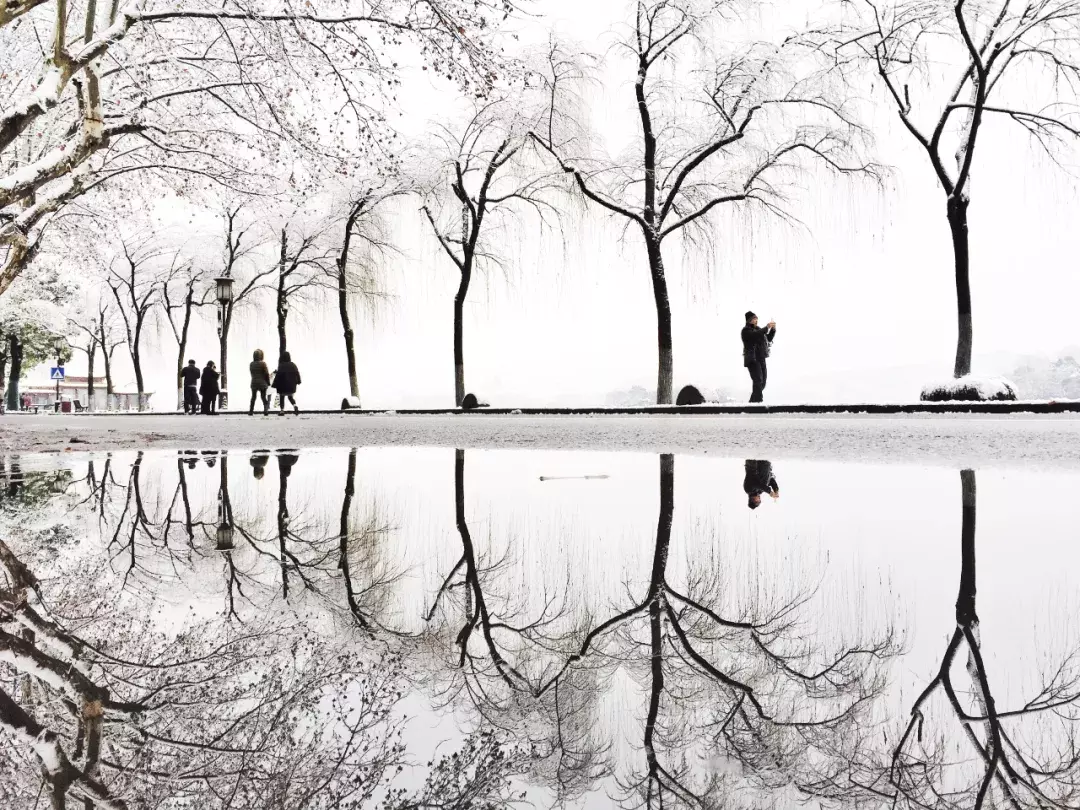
190, 376
755, 343
260, 375
759, 478
286, 378
209, 386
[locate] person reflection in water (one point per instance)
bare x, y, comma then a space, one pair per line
259, 460
759, 480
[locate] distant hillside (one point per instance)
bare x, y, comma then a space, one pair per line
1057, 379
639, 396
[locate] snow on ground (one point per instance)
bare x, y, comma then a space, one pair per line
952, 440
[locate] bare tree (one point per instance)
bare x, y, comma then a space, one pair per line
489, 184
1022, 757
183, 289
131, 278
302, 260
354, 274
239, 246
1017, 61
90, 346
110, 338
761, 125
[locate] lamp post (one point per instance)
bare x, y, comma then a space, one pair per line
224, 298
59, 344
224, 534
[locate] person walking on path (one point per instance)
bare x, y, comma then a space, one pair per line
260, 382
756, 343
190, 376
286, 381
210, 388
759, 480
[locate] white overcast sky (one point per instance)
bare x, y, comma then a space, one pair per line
864, 297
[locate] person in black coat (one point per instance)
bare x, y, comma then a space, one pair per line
756, 342
209, 388
190, 378
286, 381
759, 480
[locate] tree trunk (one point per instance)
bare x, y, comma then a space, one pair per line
3, 373
956, 211
15, 355
656, 606
459, 331
282, 315
282, 296
90, 355
344, 537
347, 330
189, 302
136, 361
283, 527
965, 599
665, 357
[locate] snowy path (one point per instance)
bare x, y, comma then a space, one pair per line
956, 441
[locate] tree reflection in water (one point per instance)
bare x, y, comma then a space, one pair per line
733, 700
1022, 757
286, 694
126, 703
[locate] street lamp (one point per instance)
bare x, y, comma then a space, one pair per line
59, 344
224, 298
224, 538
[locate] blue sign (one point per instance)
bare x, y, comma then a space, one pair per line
56, 373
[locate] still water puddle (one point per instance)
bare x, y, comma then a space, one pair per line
412, 628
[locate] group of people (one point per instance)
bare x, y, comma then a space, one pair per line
205, 385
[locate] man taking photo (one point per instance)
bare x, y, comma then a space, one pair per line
756, 342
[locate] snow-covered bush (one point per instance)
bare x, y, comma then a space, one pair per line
970, 389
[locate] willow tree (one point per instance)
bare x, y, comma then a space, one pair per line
949, 66
355, 273
734, 132
486, 182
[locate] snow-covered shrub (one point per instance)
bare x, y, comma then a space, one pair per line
970, 389
689, 395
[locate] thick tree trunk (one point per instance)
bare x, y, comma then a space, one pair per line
965, 599
136, 361
665, 357
347, 331
956, 212
459, 331
15, 355
3, 373
90, 355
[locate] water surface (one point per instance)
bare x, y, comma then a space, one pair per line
429, 627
